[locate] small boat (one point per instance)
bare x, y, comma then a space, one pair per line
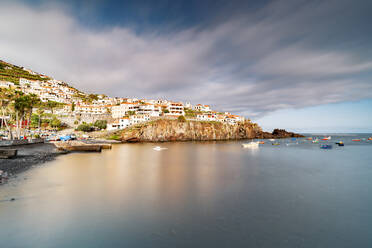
275, 144
251, 145
370, 138
309, 138
316, 141
158, 148
326, 146
340, 143
327, 138
272, 139
356, 140
261, 142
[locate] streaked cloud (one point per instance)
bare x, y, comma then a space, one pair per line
273, 59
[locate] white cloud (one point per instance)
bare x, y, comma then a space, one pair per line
238, 65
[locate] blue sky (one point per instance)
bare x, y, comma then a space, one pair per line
295, 64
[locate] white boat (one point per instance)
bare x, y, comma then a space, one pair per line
251, 145
327, 138
158, 148
272, 139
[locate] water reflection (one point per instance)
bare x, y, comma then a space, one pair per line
212, 194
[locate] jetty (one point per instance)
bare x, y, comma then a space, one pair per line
7, 153
79, 146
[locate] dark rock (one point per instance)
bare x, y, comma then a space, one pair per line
172, 130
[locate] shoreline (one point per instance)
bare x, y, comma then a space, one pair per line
28, 156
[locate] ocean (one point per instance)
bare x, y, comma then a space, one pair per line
196, 194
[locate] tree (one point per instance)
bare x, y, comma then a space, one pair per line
181, 118
6, 97
55, 123
51, 105
22, 104
84, 127
34, 101
73, 107
101, 124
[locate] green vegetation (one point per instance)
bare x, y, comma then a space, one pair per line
190, 112
85, 127
114, 137
89, 127
129, 113
101, 124
13, 73
55, 123
51, 105
181, 118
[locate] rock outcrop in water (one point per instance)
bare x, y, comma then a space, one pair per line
173, 130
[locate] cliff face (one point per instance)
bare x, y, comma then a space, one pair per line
174, 130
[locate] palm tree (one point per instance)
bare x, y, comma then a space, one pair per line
33, 101
6, 96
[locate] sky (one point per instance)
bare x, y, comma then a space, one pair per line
297, 64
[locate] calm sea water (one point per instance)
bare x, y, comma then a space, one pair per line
213, 194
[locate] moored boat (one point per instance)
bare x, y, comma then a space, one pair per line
316, 140
158, 148
356, 140
370, 138
327, 138
340, 143
309, 138
326, 146
275, 144
261, 142
251, 145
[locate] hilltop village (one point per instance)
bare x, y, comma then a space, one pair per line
73, 107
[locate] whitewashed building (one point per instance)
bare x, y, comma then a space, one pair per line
203, 108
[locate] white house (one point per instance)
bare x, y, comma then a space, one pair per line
150, 109
120, 123
206, 117
122, 109
233, 119
6, 84
176, 108
135, 119
203, 108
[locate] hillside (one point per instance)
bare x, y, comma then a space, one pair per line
173, 130
13, 73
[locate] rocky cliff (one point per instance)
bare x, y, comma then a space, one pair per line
174, 130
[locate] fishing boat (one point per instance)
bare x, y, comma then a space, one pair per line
327, 138
309, 138
356, 140
340, 143
261, 142
158, 148
251, 145
316, 140
370, 138
326, 146
275, 144
272, 139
